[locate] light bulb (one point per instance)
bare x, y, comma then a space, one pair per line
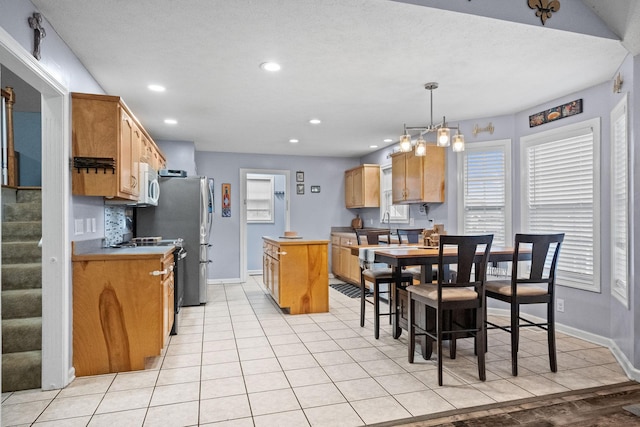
444, 135
421, 147
405, 143
458, 143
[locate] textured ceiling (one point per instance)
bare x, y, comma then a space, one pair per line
358, 65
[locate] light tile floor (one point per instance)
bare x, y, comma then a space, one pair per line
238, 361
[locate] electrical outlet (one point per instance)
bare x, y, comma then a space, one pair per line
79, 226
88, 226
370, 221
412, 222
93, 225
560, 305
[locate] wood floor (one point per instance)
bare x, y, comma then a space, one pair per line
613, 405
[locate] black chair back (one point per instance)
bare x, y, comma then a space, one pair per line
409, 235
373, 236
465, 249
543, 250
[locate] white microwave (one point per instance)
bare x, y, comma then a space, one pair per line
149, 187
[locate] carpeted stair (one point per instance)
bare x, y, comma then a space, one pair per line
21, 289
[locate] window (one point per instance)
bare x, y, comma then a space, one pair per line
260, 195
560, 194
485, 200
620, 203
397, 213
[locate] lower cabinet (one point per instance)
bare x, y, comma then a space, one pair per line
345, 265
122, 312
296, 274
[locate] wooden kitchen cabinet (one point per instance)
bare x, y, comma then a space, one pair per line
123, 310
362, 187
104, 128
418, 179
345, 265
296, 274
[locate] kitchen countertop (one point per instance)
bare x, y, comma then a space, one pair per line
295, 241
91, 250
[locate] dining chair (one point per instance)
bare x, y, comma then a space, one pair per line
411, 235
531, 282
376, 274
447, 303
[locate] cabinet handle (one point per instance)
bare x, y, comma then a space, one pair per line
162, 272
281, 253
134, 182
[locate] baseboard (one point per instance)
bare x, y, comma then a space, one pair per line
622, 359
224, 281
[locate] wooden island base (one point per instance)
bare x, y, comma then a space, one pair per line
296, 274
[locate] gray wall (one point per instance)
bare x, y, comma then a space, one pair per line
28, 137
312, 215
180, 155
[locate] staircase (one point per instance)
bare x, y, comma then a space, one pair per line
21, 289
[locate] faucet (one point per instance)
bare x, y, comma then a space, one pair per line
387, 215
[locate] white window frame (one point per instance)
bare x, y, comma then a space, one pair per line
566, 277
398, 214
263, 203
503, 145
620, 212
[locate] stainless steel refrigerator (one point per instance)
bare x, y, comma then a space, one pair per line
185, 210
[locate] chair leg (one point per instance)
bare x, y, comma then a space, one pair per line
363, 293
376, 310
411, 345
480, 342
439, 344
551, 337
515, 337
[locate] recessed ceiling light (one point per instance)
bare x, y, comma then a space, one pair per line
373, 146
270, 66
388, 140
156, 88
315, 121
170, 121
293, 141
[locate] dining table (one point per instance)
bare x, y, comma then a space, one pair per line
400, 256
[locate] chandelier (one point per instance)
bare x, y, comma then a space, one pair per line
443, 132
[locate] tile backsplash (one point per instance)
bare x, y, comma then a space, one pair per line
118, 220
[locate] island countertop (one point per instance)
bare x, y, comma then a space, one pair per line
295, 240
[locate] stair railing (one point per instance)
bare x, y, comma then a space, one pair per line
9, 160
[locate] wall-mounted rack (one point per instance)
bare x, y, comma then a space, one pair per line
104, 163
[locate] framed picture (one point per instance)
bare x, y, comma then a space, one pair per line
300, 189
226, 200
299, 176
315, 188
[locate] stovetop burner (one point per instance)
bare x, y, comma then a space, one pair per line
150, 241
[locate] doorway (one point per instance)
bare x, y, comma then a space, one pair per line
255, 220
57, 371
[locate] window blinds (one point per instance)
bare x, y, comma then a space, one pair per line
484, 181
560, 199
619, 204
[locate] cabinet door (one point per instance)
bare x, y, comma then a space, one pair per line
335, 255
398, 174
433, 183
358, 190
348, 189
126, 153
414, 171
275, 279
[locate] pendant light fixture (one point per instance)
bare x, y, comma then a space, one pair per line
443, 132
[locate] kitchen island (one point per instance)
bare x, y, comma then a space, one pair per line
296, 273
123, 306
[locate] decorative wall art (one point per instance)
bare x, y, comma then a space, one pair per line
315, 188
226, 200
300, 176
544, 8
565, 110
299, 188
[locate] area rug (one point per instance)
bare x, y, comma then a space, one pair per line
352, 291
606, 406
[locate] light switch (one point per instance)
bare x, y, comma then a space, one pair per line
79, 226
93, 225
88, 227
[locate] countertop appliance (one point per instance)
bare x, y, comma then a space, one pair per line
185, 210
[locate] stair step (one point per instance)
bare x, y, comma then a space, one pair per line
22, 231
20, 252
21, 371
21, 303
21, 276
29, 195
22, 212
20, 335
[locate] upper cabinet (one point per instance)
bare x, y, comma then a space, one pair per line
108, 143
362, 187
418, 179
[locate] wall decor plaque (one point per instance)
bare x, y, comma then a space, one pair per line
561, 111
